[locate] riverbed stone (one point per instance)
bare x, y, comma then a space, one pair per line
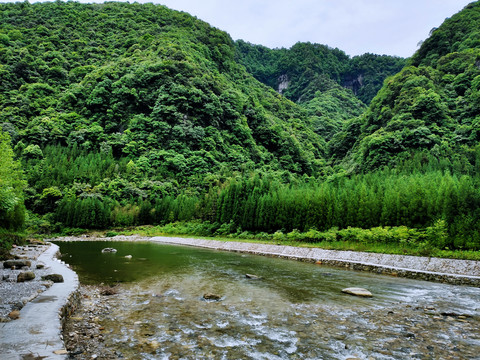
210, 296
109, 250
16, 264
357, 292
25, 276
56, 278
14, 315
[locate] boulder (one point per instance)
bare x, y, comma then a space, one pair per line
16, 264
25, 276
109, 250
357, 292
56, 278
14, 315
210, 296
128, 257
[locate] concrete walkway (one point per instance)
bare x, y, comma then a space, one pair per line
445, 270
38, 330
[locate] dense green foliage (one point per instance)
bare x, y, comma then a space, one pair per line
128, 114
434, 106
458, 33
305, 66
11, 187
142, 80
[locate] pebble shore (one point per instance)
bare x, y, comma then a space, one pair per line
13, 294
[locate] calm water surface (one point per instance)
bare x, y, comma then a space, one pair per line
295, 311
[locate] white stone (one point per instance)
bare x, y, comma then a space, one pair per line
357, 292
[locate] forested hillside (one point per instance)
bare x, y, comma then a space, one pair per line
431, 106
123, 100
129, 114
300, 71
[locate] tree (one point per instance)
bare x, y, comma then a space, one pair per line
12, 212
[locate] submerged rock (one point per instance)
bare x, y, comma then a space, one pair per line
109, 250
253, 277
357, 292
210, 296
25, 276
56, 278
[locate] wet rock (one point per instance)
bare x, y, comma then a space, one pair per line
128, 257
210, 296
357, 292
109, 290
18, 305
109, 250
40, 266
25, 276
253, 277
14, 315
56, 278
16, 264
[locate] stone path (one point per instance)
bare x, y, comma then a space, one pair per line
37, 333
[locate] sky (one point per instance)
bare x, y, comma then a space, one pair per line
391, 27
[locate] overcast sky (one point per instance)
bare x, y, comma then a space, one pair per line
392, 27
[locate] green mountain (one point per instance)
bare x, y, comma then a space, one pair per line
139, 83
432, 106
129, 114
298, 72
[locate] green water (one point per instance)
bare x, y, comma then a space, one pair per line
291, 279
295, 311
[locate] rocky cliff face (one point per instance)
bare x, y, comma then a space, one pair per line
283, 83
354, 83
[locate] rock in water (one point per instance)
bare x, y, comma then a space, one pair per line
357, 292
128, 257
253, 277
209, 296
56, 278
25, 276
109, 250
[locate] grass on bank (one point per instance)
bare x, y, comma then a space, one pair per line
388, 240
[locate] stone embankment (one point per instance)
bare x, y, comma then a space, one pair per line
453, 271
39, 304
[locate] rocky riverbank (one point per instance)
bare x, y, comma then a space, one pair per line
16, 288
35, 290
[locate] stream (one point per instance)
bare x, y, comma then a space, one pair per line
294, 310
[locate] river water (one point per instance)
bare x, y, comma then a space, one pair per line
294, 311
